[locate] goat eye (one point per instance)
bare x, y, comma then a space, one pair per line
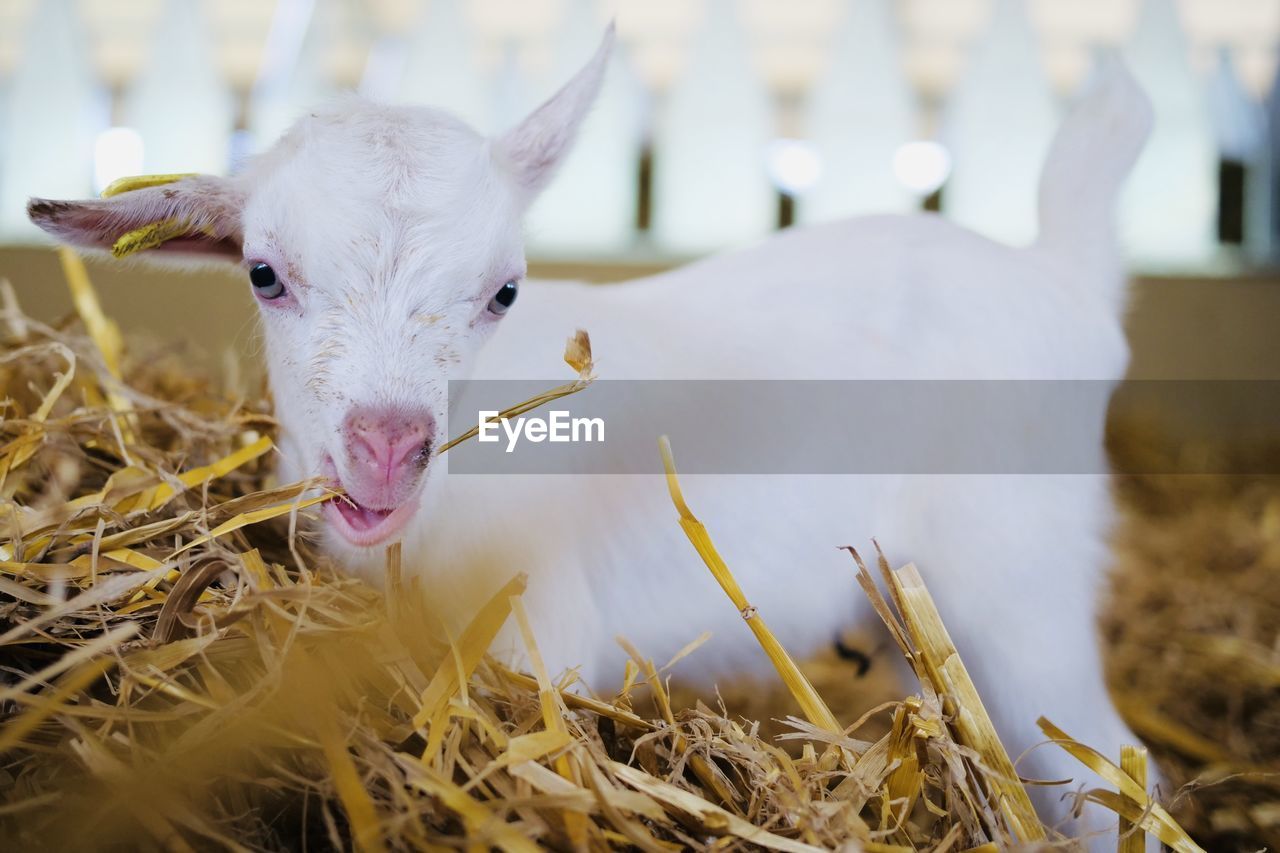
265, 283
503, 299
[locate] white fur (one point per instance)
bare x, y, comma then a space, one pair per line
393, 227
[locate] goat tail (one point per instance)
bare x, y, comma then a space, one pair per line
1091, 155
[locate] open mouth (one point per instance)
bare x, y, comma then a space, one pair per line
366, 526
362, 525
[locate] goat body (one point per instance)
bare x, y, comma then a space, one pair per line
391, 232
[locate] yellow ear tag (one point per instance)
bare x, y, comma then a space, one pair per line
153, 234
142, 182
147, 237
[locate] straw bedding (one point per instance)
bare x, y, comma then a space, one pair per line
179, 669
1192, 630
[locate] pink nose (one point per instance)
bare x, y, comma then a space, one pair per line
388, 446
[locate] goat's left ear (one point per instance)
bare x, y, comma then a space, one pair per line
536, 147
194, 214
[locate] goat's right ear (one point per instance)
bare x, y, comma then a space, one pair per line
197, 214
534, 149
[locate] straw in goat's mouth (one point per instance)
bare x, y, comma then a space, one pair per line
364, 522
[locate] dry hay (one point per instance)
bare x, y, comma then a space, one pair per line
182, 671
1193, 630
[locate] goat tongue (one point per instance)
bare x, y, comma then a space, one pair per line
361, 517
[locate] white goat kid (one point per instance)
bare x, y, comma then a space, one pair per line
384, 246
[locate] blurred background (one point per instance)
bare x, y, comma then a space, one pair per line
722, 121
